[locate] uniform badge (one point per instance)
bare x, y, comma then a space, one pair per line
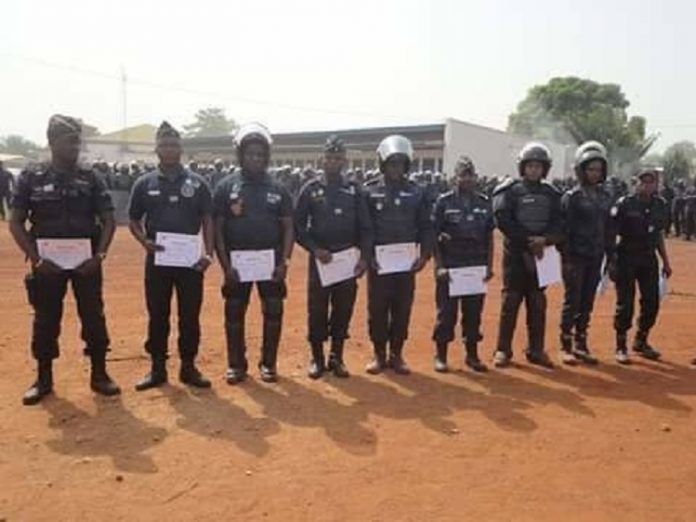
173, 199
379, 205
470, 217
397, 202
187, 190
338, 211
48, 188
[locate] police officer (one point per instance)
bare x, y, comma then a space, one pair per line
6, 187
690, 211
667, 194
253, 212
64, 202
400, 213
638, 220
586, 217
331, 216
677, 209
528, 213
464, 226
172, 199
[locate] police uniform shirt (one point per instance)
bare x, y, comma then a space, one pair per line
60, 206
639, 223
333, 216
175, 204
463, 224
585, 217
252, 209
400, 213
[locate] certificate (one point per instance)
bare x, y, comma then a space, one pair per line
66, 253
340, 268
396, 257
467, 281
180, 250
548, 267
253, 265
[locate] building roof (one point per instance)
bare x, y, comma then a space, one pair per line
144, 133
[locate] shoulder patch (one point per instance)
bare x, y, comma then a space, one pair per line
502, 187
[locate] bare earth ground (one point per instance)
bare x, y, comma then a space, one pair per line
605, 443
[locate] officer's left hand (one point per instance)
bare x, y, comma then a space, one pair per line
202, 264
667, 270
419, 264
360, 268
90, 266
280, 272
489, 275
536, 245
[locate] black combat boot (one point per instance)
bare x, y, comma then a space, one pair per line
189, 374
472, 359
42, 386
336, 364
641, 346
582, 351
379, 361
621, 349
100, 382
156, 377
316, 365
567, 354
396, 360
440, 363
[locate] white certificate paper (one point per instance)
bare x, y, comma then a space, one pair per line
180, 250
467, 281
253, 265
396, 257
341, 267
549, 267
66, 253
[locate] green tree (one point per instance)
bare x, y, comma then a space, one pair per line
210, 122
678, 160
573, 110
16, 144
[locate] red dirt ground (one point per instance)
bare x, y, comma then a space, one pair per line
604, 443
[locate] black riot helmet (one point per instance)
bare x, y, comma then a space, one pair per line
590, 151
534, 151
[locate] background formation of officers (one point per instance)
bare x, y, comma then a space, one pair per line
599, 230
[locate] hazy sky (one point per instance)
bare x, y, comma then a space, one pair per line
310, 64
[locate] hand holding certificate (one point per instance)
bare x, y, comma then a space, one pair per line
396, 257
253, 265
68, 254
468, 280
180, 250
340, 268
548, 267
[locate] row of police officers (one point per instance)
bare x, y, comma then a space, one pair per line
250, 211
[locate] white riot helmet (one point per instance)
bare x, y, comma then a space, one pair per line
252, 130
395, 144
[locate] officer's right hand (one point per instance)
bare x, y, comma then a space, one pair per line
536, 245
324, 256
231, 277
47, 267
152, 247
375, 265
612, 271
442, 274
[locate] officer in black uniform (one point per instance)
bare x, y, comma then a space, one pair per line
677, 208
400, 213
639, 221
668, 194
6, 188
331, 216
528, 213
690, 211
586, 217
464, 226
64, 202
172, 199
253, 212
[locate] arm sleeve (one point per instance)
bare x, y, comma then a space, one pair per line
505, 220
364, 225
136, 205
101, 199
301, 219
21, 193
206, 200
426, 235
219, 202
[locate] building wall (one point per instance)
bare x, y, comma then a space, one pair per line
93, 150
495, 152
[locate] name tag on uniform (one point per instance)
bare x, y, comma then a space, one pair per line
272, 198
48, 188
153, 192
338, 211
173, 199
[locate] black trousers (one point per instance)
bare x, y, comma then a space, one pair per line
644, 270
160, 284
447, 311
520, 284
678, 217
339, 298
580, 278
46, 294
389, 303
237, 297
690, 221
